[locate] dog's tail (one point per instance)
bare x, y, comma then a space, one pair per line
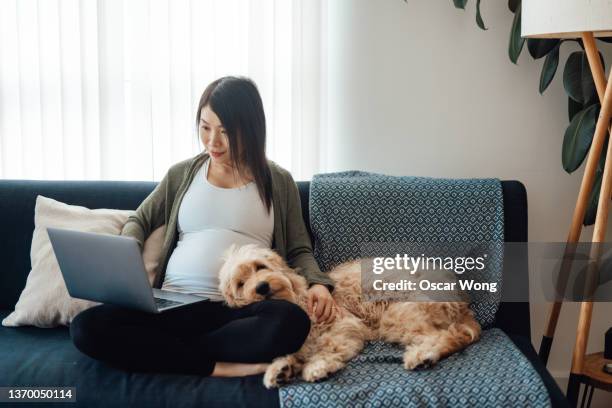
458, 336
465, 331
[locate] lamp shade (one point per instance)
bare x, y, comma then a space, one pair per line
566, 18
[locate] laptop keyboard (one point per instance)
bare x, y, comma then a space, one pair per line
163, 303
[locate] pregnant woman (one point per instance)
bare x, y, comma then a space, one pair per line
228, 194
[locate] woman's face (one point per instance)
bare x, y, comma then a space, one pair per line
214, 137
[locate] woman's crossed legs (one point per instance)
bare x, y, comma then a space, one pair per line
192, 338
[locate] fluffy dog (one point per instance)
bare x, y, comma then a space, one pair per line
429, 331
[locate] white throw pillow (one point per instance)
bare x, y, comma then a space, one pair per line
45, 301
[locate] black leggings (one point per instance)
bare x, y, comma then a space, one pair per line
190, 339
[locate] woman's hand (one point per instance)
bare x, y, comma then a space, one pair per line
321, 304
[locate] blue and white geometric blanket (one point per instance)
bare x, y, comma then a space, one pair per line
349, 208
489, 373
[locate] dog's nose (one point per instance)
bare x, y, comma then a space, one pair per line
262, 288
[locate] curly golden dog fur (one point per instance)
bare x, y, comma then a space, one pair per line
429, 331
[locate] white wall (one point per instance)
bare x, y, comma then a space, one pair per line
417, 88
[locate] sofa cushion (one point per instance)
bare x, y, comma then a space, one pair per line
491, 372
45, 301
557, 398
17, 202
46, 357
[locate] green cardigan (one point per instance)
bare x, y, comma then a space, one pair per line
290, 238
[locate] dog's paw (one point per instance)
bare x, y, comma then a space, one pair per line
278, 373
416, 359
315, 371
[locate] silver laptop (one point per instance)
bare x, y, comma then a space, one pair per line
109, 269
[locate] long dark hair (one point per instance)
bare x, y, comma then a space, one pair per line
237, 103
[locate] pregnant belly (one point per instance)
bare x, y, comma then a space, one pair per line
195, 262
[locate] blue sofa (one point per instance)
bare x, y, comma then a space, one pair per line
32, 356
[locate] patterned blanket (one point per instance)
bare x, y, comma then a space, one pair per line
351, 208
489, 373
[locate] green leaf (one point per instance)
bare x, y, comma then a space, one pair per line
513, 5
460, 3
577, 78
573, 108
540, 47
479, 20
516, 41
549, 68
591, 211
578, 137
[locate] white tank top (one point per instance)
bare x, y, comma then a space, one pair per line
210, 219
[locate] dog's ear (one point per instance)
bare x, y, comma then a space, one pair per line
225, 286
228, 252
276, 261
297, 281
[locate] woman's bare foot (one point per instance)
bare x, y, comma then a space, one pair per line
223, 369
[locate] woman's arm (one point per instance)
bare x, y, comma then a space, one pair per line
149, 215
321, 305
299, 248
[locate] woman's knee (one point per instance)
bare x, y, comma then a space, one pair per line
288, 325
87, 327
